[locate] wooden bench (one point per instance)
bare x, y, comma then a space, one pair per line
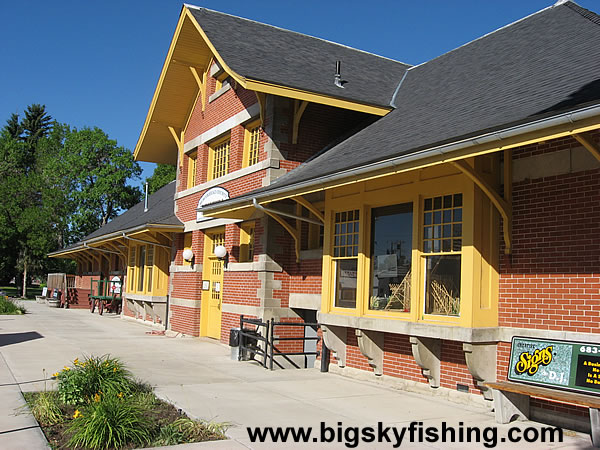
512, 399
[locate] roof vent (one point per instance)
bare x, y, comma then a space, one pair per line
146, 199
337, 80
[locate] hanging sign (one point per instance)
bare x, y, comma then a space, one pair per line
562, 364
213, 195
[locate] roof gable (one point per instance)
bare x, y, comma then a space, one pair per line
261, 52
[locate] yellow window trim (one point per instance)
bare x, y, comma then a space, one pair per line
247, 241
192, 165
248, 129
211, 156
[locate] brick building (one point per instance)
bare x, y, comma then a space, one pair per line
423, 215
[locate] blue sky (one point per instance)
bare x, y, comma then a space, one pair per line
97, 63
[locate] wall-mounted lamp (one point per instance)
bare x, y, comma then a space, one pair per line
221, 253
188, 255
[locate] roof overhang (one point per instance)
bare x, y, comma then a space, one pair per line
90, 244
565, 124
177, 92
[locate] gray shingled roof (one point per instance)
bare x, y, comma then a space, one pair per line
160, 212
266, 53
540, 66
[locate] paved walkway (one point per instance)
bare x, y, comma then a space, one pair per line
198, 376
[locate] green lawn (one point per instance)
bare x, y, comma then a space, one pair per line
12, 291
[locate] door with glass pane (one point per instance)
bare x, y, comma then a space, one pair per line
213, 272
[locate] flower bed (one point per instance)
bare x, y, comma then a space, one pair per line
99, 405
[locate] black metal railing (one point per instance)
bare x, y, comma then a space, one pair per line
250, 342
249, 339
274, 351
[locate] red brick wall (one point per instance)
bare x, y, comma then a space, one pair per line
185, 320
398, 360
227, 105
354, 357
552, 280
453, 367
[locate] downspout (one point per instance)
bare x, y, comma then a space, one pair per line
100, 249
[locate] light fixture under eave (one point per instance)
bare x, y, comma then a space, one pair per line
188, 254
220, 251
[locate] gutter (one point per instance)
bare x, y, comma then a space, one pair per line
442, 150
113, 235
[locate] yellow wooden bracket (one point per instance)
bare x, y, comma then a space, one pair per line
299, 108
178, 137
201, 82
293, 232
302, 201
115, 247
585, 140
262, 103
503, 206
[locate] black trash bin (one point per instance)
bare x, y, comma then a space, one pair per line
234, 343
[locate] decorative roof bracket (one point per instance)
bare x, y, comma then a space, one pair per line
503, 206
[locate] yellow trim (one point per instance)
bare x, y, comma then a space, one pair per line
302, 201
588, 143
501, 205
201, 87
211, 156
299, 108
479, 264
191, 172
248, 129
247, 241
299, 94
161, 80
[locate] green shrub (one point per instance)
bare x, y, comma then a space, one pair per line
186, 430
9, 307
96, 375
45, 407
111, 421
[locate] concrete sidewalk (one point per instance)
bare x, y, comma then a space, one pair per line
198, 376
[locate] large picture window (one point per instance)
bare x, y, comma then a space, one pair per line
391, 251
442, 244
345, 257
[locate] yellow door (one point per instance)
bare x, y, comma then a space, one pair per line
213, 272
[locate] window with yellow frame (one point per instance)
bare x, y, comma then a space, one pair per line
252, 143
247, 242
191, 173
345, 257
131, 268
219, 158
442, 245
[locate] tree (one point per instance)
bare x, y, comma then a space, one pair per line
97, 170
163, 174
36, 124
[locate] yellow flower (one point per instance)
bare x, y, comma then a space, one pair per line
67, 368
120, 395
55, 374
96, 398
77, 414
114, 369
76, 361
